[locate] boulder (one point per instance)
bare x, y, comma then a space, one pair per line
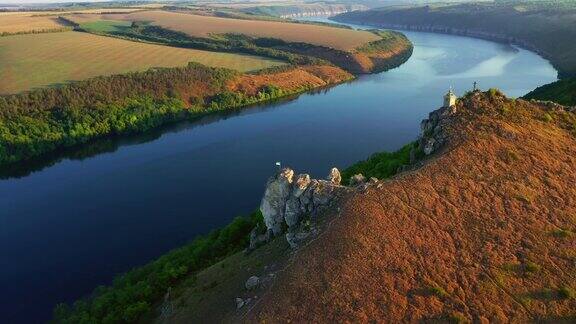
239, 302
257, 238
288, 198
252, 283
357, 179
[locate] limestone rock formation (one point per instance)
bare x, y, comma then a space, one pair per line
433, 135
288, 198
273, 204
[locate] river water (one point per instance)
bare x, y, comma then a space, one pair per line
71, 222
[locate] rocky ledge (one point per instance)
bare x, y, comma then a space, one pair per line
290, 200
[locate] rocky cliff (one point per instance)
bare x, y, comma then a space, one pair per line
289, 199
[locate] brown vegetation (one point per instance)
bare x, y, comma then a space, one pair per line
470, 236
294, 79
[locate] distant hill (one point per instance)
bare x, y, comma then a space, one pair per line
545, 26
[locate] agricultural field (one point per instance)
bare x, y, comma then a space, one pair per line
205, 26
39, 21
10, 24
41, 60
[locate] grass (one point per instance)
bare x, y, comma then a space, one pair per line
562, 92
206, 26
105, 26
43, 60
384, 164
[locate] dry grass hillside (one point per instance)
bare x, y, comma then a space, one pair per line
482, 232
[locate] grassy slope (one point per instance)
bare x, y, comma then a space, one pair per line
40, 60
550, 29
483, 232
562, 92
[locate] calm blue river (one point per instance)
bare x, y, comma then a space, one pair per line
71, 222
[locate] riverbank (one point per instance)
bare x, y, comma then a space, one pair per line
45, 120
539, 27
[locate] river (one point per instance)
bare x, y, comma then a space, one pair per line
71, 222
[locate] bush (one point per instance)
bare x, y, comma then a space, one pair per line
566, 293
383, 165
531, 267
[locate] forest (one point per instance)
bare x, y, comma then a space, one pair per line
33, 123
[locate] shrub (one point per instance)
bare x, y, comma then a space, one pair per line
566, 293
383, 165
562, 233
547, 118
437, 291
531, 267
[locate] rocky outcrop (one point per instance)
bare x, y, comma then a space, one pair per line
273, 206
289, 198
433, 135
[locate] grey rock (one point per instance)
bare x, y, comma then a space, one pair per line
239, 302
294, 207
273, 203
294, 239
257, 239
357, 179
252, 283
429, 146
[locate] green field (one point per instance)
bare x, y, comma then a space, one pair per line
41, 60
105, 26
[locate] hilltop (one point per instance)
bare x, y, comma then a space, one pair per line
480, 230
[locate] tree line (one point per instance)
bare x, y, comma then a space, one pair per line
36, 122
